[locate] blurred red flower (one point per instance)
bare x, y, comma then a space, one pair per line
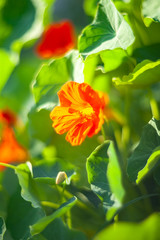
10, 150
81, 112
57, 40
7, 117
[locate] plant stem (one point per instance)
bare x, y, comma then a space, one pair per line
103, 132
7, 165
49, 204
126, 128
79, 203
154, 105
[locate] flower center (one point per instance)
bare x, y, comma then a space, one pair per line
88, 112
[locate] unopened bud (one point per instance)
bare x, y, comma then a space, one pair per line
61, 176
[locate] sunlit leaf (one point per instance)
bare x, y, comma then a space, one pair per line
102, 165
20, 78
90, 65
148, 229
97, 164
109, 30
151, 163
7, 63
112, 59
114, 174
90, 7
149, 142
35, 190
53, 75
144, 74
29, 192
151, 11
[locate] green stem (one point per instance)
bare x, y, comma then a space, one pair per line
49, 204
154, 105
126, 128
79, 203
7, 165
103, 132
136, 200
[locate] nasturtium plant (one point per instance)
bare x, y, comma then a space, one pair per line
150, 11
7, 63
79, 119
109, 30
146, 154
144, 74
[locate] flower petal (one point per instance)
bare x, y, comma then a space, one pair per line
78, 133
63, 120
58, 39
10, 150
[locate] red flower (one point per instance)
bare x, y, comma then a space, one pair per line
7, 117
80, 112
57, 40
10, 150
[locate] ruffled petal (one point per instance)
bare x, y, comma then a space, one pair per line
78, 133
69, 95
64, 119
97, 124
10, 150
80, 112
94, 98
57, 39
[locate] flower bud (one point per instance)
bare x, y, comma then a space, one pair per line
61, 176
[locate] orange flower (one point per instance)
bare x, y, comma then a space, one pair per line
80, 112
10, 150
7, 117
57, 40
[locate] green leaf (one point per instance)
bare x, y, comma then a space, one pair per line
35, 126
53, 75
102, 164
59, 231
114, 174
18, 18
2, 228
43, 222
149, 142
20, 79
97, 164
144, 74
151, 11
90, 65
151, 163
112, 59
29, 191
24, 21
90, 7
36, 190
109, 30
20, 215
7, 63
148, 229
